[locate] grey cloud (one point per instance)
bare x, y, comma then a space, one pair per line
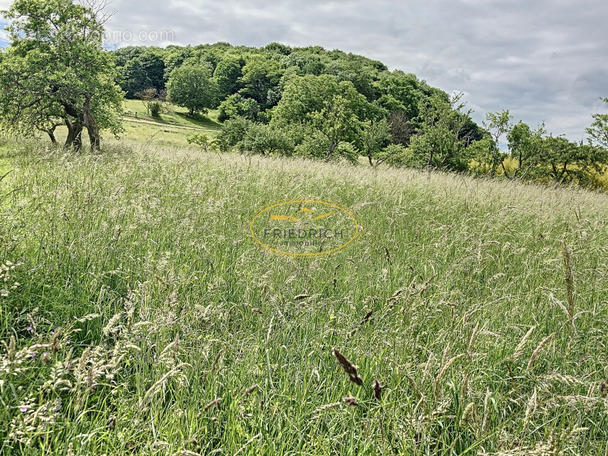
543, 60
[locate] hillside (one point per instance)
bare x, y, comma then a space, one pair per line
478, 305
331, 105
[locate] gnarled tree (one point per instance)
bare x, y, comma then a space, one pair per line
55, 72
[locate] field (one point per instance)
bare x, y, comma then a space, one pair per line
172, 129
138, 316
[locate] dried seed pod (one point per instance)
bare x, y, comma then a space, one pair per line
377, 389
350, 401
348, 367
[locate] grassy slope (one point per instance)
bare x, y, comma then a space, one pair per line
171, 130
456, 271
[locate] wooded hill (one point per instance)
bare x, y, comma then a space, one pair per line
331, 105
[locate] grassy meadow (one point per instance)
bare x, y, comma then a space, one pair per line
138, 317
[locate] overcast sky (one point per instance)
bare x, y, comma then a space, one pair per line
541, 59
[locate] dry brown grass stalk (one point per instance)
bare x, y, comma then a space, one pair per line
519, 349
214, 403
536, 353
569, 282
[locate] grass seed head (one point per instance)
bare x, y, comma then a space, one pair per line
348, 367
349, 400
377, 389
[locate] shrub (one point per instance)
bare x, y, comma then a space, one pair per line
396, 155
262, 139
200, 139
233, 131
155, 109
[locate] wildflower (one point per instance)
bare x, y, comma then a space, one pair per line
46, 358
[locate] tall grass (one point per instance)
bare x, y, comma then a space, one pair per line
139, 318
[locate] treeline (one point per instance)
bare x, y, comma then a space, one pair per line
333, 105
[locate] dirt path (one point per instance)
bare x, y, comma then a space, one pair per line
160, 124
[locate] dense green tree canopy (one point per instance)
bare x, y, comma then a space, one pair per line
227, 74
192, 87
260, 79
276, 100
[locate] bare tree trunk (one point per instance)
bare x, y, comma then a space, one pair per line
91, 125
51, 133
74, 139
94, 138
330, 152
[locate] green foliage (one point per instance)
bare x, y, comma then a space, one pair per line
227, 74
440, 143
155, 108
310, 89
347, 151
238, 106
134, 78
497, 124
313, 144
232, 133
336, 121
526, 146
152, 100
360, 76
265, 140
567, 162
375, 136
598, 131
400, 92
192, 87
484, 156
200, 139
146, 69
333, 109
246, 136
56, 72
305, 63
397, 155
260, 79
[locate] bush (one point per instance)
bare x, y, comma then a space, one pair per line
262, 139
347, 151
237, 106
233, 132
396, 155
155, 109
200, 139
314, 145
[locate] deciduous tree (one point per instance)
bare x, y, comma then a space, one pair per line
56, 71
192, 87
